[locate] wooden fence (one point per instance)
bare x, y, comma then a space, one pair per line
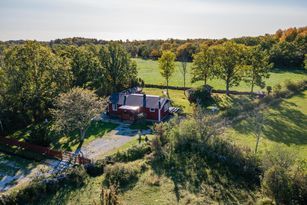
42, 150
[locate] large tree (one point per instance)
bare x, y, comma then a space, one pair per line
120, 70
203, 65
229, 63
34, 76
85, 66
257, 68
167, 66
75, 110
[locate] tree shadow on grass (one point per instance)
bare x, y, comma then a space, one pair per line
72, 140
283, 123
191, 171
292, 70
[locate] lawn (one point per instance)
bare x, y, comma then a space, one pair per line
70, 142
285, 124
148, 70
177, 97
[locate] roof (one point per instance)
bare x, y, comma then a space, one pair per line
141, 100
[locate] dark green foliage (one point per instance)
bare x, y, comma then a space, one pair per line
119, 70
200, 95
285, 180
134, 153
122, 174
40, 135
38, 188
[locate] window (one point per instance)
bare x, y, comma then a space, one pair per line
152, 110
114, 107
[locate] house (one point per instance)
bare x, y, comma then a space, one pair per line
129, 105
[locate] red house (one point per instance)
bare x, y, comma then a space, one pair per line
128, 105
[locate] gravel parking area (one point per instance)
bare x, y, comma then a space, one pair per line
114, 139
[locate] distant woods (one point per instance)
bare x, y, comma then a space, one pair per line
286, 48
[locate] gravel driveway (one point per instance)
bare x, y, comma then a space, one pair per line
114, 139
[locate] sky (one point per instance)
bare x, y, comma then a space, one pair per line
147, 19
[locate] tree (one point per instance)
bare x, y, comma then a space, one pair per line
184, 54
34, 76
257, 68
167, 66
75, 110
120, 70
258, 123
85, 66
203, 65
229, 63
305, 62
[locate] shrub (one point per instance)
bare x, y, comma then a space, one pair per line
134, 153
200, 95
122, 174
95, 169
269, 89
276, 184
38, 187
39, 135
292, 86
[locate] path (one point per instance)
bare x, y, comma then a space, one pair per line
112, 140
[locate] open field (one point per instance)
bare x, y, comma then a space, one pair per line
285, 124
148, 70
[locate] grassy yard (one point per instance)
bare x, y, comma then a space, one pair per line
96, 130
286, 124
177, 96
70, 142
148, 70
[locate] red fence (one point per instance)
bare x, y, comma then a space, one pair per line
42, 150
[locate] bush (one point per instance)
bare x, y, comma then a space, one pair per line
200, 95
39, 134
38, 187
269, 89
134, 153
122, 174
95, 169
276, 184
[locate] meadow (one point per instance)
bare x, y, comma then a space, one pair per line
285, 124
149, 71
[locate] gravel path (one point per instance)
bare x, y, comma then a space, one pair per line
114, 139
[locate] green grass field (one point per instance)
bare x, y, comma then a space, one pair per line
71, 142
148, 70
285, 124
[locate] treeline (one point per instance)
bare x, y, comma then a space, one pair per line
32, 75
286, 48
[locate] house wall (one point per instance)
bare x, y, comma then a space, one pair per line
151, 115
112, 112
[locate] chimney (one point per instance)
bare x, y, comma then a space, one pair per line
144, 100
125, 98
